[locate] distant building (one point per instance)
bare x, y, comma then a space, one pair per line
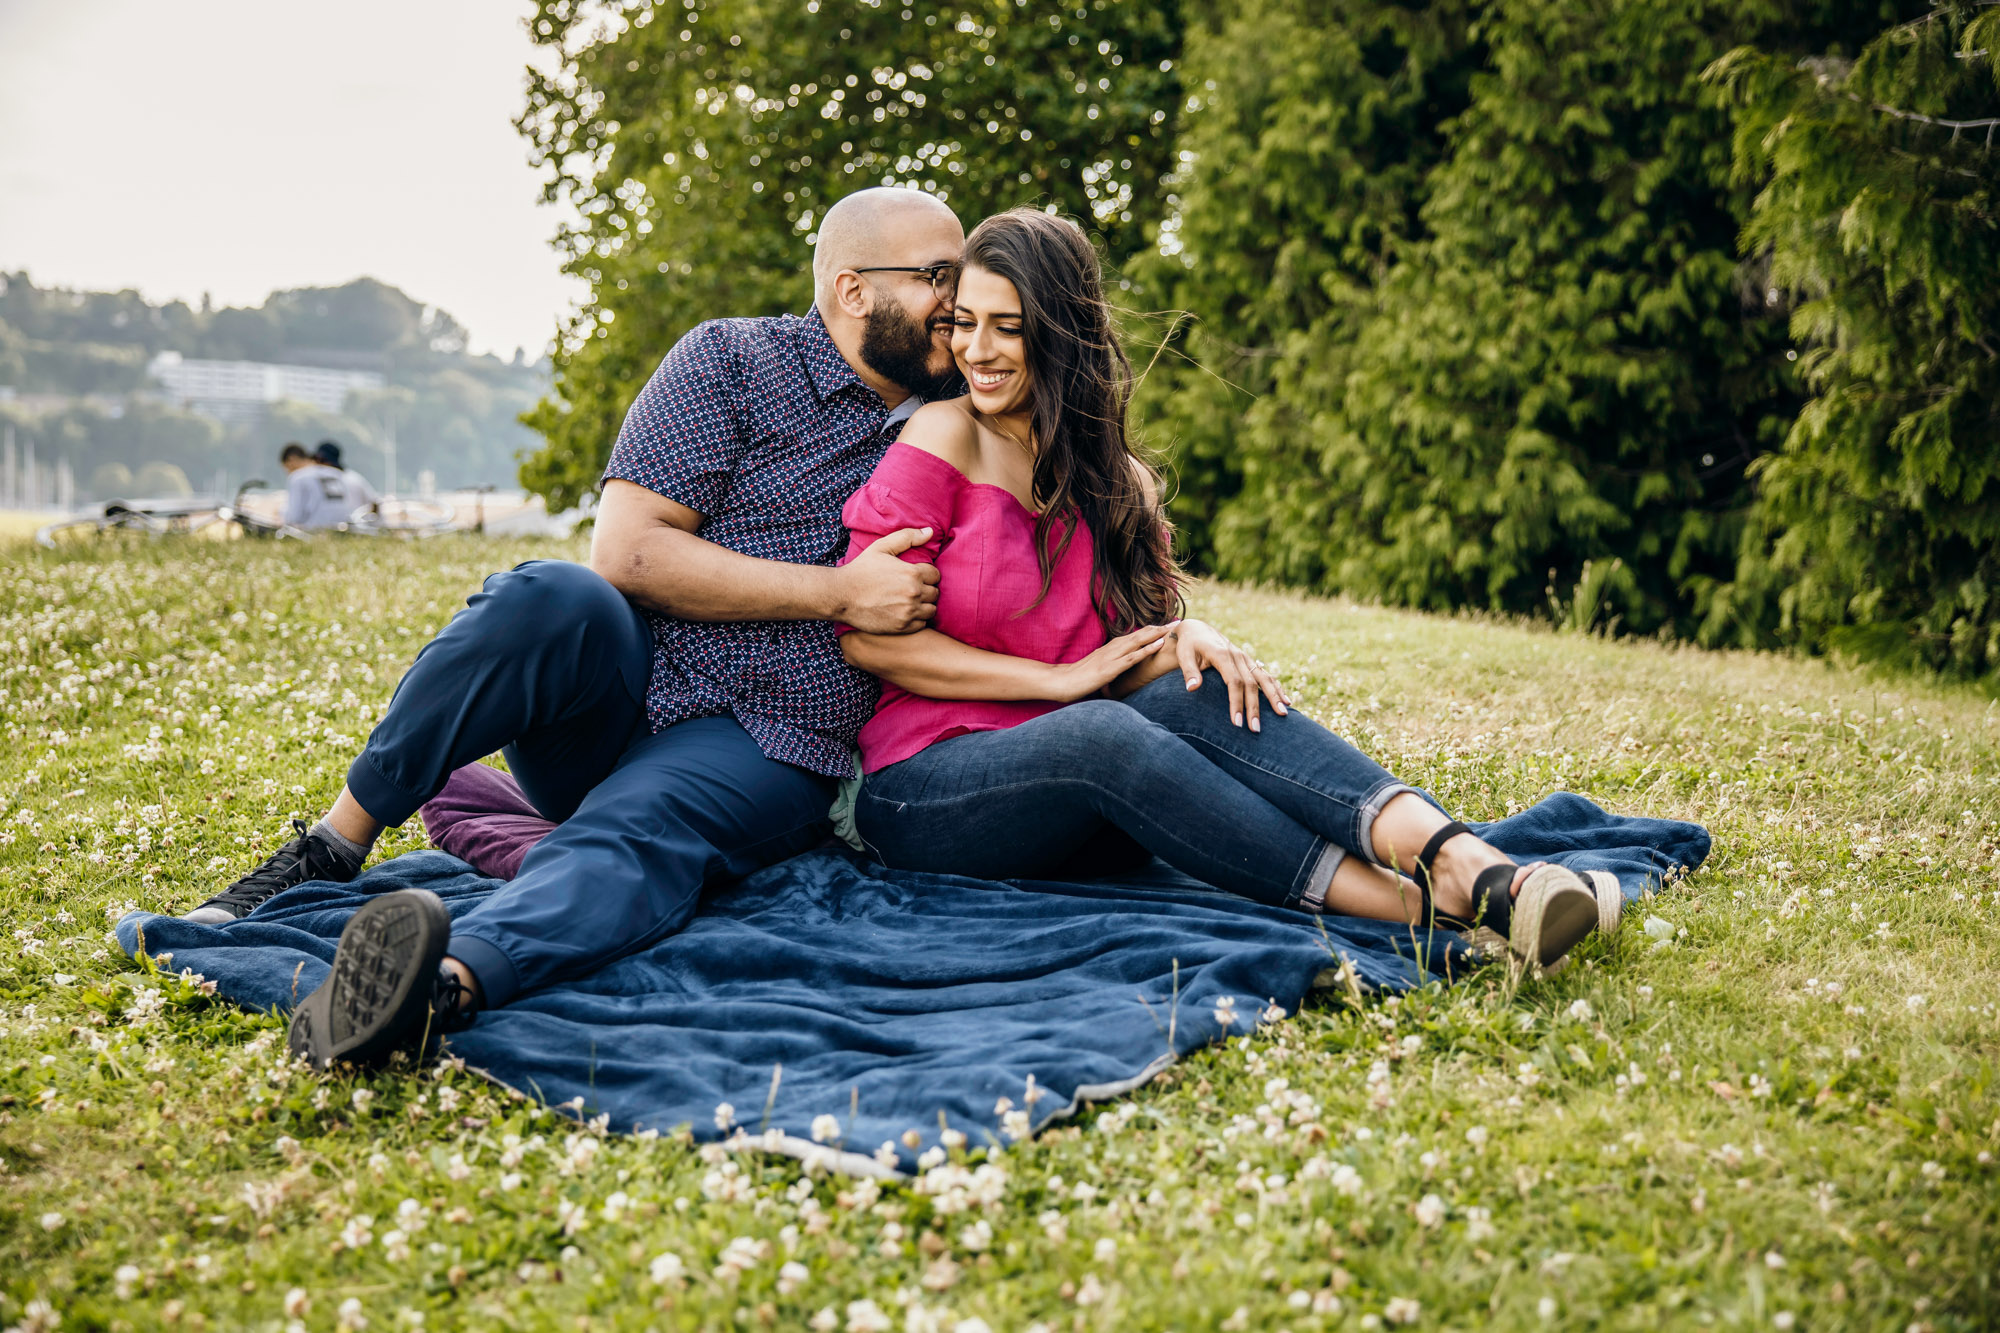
237, 392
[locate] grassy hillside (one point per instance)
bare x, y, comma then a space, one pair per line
1775, 1107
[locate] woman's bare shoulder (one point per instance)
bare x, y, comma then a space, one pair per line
945, 429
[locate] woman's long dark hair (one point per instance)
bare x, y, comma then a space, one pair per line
1082, 386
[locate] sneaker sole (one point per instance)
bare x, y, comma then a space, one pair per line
379, 986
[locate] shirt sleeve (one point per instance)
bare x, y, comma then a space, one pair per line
683, 436
298, 499
910, 489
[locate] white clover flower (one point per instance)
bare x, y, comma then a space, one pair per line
1015, 1125
1917, 1001
52, 1221
667, 1268
362, 1097
1476, 1136
615, 1205
359, 1230
725, 1116
1105, 1251
1346, 1180
510, 1181
1581, 1011
825, 1129
1402, 1310
973, 1325
126, 1277
1225, 1012
1546, 1307
887, 1155
826, 1321
977, 1238
932, 1156
1478, 1225
866, 1316
1430, 1211
350, 1316
395, 1246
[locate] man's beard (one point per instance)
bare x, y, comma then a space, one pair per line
899, 349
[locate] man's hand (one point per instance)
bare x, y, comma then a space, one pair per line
881, 593
1198, 646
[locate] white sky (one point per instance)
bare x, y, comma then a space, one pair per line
237, 146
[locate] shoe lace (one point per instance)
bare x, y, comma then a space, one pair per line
278, 873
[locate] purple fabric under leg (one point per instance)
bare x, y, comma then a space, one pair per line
482, 818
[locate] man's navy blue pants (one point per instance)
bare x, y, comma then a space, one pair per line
549, 664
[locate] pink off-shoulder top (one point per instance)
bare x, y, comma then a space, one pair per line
983, 544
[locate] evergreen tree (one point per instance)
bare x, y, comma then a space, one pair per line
1878, 525
1311, 128
1561, 360
700, 139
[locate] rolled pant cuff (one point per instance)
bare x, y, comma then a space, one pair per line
1321, 878
385, 802
491, 968
1364, 820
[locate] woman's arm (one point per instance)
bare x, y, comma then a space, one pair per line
1196, 646
937, 666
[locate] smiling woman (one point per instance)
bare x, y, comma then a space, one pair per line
1034, 722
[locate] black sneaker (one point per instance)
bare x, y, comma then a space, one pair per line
387, 990
308, 856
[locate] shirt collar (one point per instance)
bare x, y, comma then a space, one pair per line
828, 368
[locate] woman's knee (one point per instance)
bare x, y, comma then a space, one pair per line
1106, 736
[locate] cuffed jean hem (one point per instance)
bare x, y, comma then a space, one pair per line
1364, 821
385, 802
1321, 878
490, 967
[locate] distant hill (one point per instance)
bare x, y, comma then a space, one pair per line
75, 387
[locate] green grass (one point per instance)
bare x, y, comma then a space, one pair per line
1782, 1113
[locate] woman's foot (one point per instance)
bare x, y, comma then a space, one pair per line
1547, 909
1456, 867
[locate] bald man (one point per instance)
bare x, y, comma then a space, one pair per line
679, 707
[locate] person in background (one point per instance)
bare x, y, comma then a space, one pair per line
316, 496
360, 494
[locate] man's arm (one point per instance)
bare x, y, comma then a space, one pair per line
645, 545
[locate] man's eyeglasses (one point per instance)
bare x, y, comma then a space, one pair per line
943, 278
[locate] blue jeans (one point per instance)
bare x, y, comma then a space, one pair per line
1269, 815
549, 664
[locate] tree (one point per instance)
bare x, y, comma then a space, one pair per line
1878, 524
1310, 133
1560, 359
699, 140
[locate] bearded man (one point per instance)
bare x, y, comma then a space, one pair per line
680, 706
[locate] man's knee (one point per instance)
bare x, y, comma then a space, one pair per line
554, 599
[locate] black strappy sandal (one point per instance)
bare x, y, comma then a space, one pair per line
1554, 910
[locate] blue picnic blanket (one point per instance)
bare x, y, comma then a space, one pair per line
895, 1000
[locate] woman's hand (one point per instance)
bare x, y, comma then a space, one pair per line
1198, 646
1085, 677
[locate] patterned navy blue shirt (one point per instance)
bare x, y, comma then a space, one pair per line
762, 428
